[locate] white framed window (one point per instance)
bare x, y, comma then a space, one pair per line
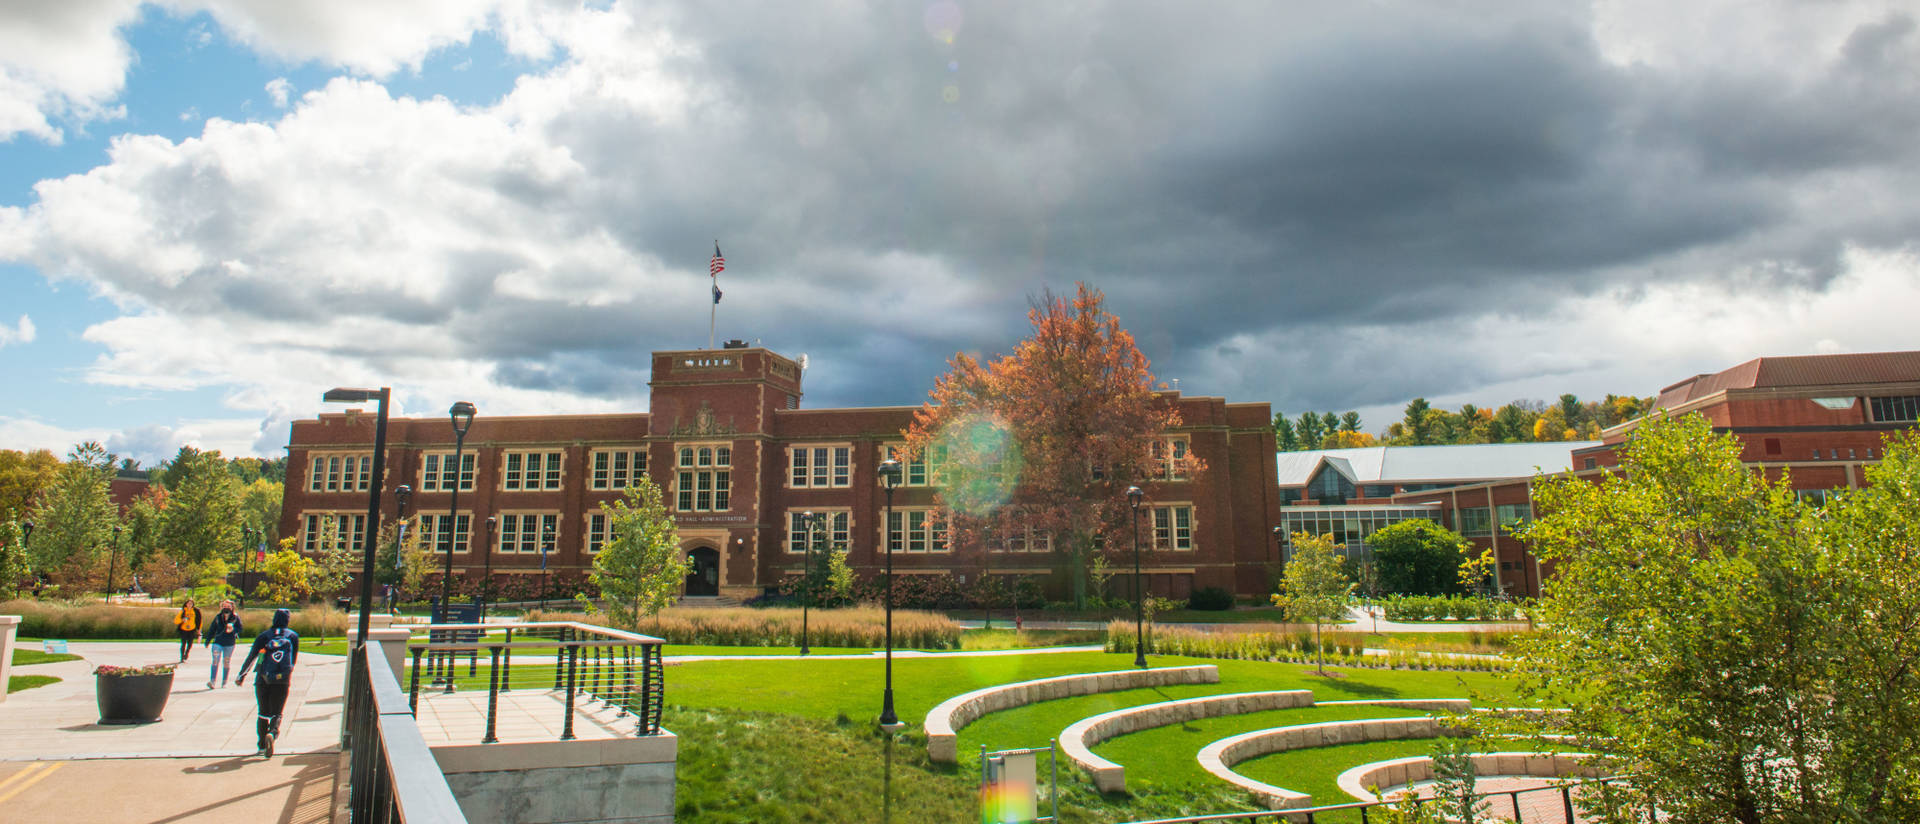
1477, 521
437, 475
1026, 539
1173, 527
1170, 459
618, 468
599, 532
332, 530
703, 477
835, 531
528, 471
528, 532
340, 472
924, 469
433, 532
917, 530
819, 467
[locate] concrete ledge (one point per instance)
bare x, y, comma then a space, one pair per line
1432, 704
1079, 737
605, 781
946, 720
9, 626
529, 755
1399, 772
1219, 757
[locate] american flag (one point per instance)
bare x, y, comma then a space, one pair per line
719, 262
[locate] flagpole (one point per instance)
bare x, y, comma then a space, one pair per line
714, 268
713, 311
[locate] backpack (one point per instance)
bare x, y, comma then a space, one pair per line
276, 658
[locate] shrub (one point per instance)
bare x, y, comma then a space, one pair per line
1279, 642
780, 627
41, 619
1211, 599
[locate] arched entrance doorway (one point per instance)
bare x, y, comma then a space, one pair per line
705, 577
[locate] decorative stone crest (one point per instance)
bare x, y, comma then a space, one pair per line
703, 425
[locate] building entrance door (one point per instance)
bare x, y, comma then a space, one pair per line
705, 577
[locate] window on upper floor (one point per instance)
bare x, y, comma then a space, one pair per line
1173, 527
528, 532
703, 477
917, 530
332, 531
338, 472
1026, 539
434, 532
436, 471
1896, 409
599, 532
917, 470
1330, 487
618, 468
1513, 516
1169, 456
528, 471
1475, 521
1379, 490
819, 467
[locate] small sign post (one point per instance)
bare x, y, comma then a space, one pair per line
53, 647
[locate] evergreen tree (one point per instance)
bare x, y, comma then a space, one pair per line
74, 517
1284, 437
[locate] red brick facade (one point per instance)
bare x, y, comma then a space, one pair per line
747, 401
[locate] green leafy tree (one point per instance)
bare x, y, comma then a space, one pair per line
13, 557
174, 472
202, 518
641, 570
407, 565
1285, 439
1476, 572
1350, 422
289, 577
1314, 587
260, 507
1745, 657
141, 538
73, 517
1418, 557
23, 475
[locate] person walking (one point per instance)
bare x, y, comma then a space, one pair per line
187, 624
222, 633
276, 649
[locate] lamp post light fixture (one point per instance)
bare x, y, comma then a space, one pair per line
1139, 601
1279, 542
890, 476
113, 557
806, 578
371, 539
545, 547
462, 415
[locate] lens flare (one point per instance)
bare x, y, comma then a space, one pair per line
942, 20
982, 464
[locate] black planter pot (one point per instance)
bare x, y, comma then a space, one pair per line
131, 699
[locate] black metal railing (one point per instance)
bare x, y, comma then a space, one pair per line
1562, 813
591, 665
392, 776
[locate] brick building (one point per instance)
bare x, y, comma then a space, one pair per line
727, 440
1823, 417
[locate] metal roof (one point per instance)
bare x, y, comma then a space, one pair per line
1426, 464
1799, 370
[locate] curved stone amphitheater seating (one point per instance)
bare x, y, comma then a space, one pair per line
946, 720
1219, 757
1400, 771
1077, 739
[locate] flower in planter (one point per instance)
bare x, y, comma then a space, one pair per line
111, 671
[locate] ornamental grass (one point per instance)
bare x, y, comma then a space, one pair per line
863, 627
53, 619
1287, 643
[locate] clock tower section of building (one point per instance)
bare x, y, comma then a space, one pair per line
710, 415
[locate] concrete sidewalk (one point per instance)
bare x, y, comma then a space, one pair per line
57, 721
294, 790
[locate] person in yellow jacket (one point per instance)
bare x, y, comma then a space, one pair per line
187, 622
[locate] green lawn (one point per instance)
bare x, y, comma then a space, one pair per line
24, 656
16, 683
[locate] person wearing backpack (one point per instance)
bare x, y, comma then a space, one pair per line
222, 633
187, 625
276, 649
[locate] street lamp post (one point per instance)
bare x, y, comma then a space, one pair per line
246, 557
1139, 601
372, 535
462, 414
486, 541
26, 544
401, 495
545, 546
806, 579
113, 557
890, 475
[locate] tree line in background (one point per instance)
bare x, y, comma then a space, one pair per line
1522, 421
185, 528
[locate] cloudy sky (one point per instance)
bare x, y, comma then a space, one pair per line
213, 210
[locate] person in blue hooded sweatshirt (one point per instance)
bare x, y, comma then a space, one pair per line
276, 649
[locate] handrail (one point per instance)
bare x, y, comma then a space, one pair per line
392, 775
1306, 814
618, 670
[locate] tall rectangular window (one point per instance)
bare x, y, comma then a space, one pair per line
1173, 527
599, 532
618, 468
1514, 516
322, 531
835, 531
340, 473
917, 470
527, 471
528, 532
917, 530
1027, 539
1170, 459
703, 478
433, 533
1896, 409
819, 467
437, 475
1475, 522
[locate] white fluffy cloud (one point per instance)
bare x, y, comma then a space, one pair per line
62, 60
22, 332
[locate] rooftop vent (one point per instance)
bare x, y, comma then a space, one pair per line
734, 344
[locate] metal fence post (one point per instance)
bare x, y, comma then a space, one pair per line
493, 695
413, 689
573, 662
506, 675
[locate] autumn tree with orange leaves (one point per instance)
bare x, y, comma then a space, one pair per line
1046, 440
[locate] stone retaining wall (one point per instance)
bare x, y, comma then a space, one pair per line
1219, 757
1077, 739
946, 720
1402, 771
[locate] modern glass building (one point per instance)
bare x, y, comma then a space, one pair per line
1349, 525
